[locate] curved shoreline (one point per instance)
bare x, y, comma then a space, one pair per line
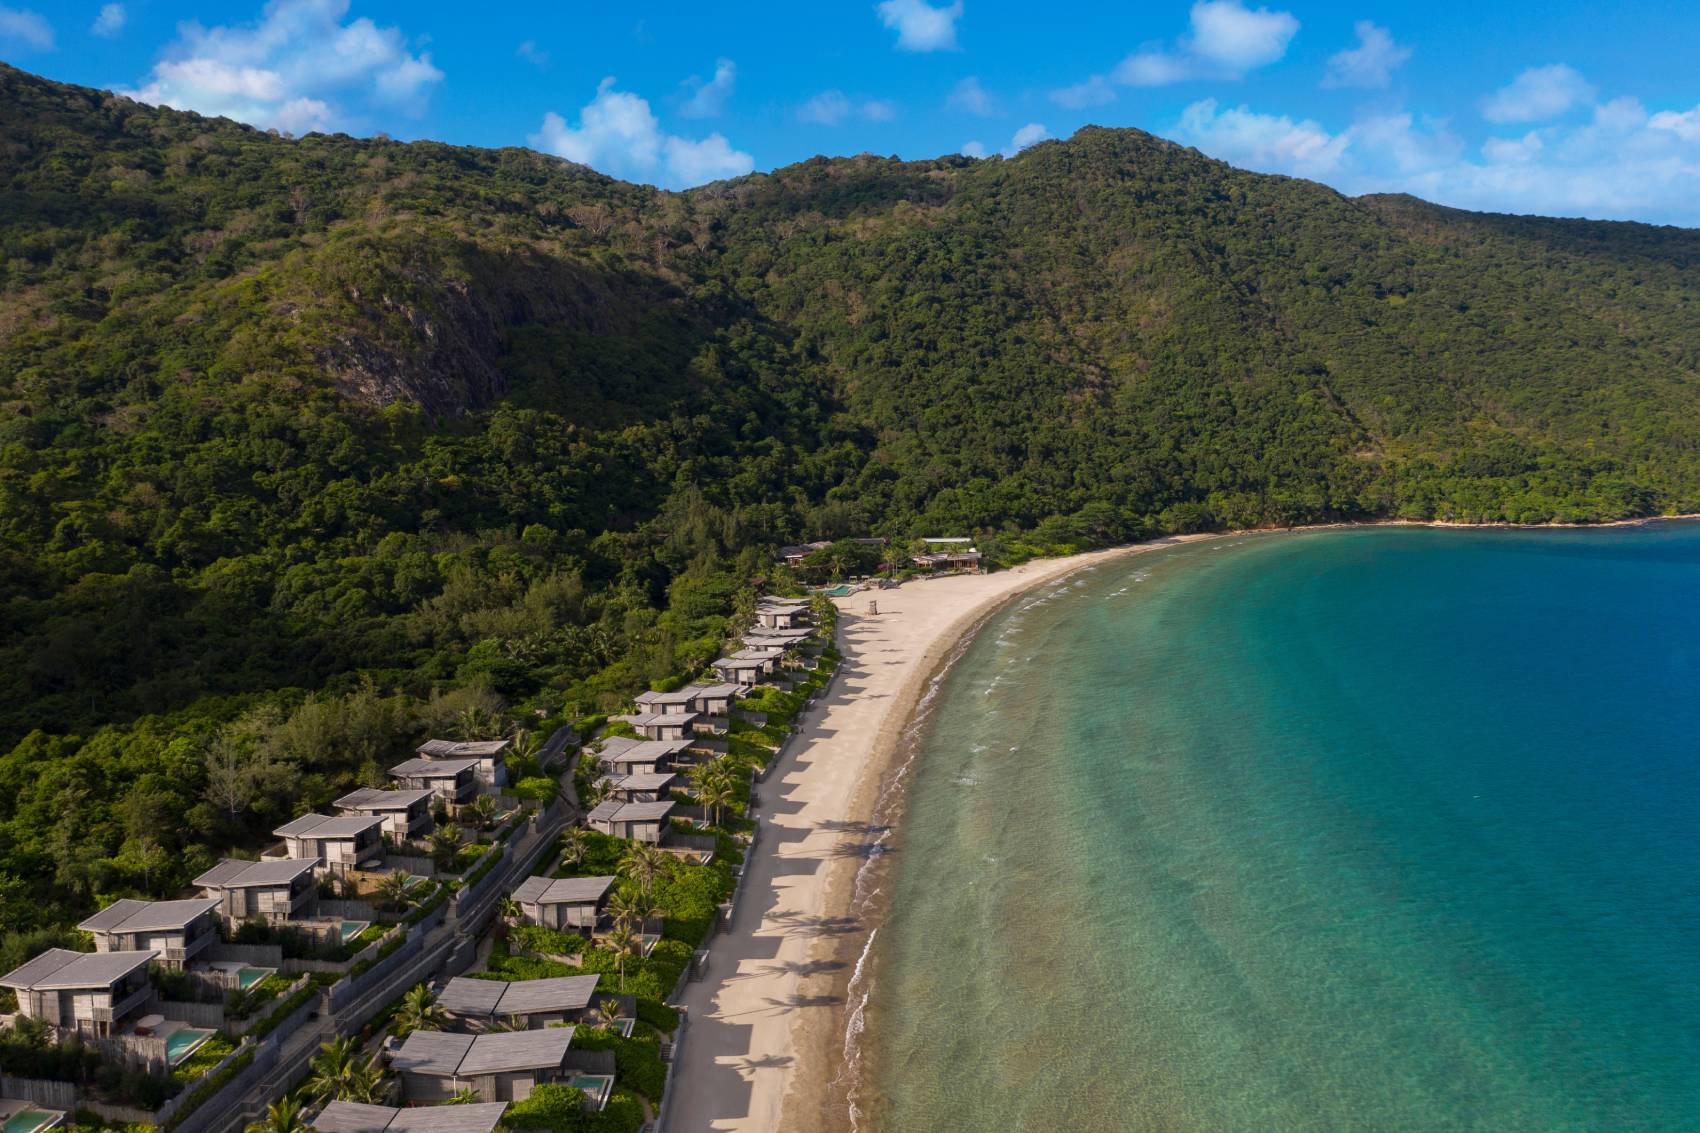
768, 1042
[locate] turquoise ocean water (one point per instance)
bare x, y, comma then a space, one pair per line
1373, 829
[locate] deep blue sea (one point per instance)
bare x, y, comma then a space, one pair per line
1368, 829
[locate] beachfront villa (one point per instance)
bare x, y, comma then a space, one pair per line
563, 902
954, 554
406, 814
454, 781
794, 554
490, 754
748, 666
174, 932
640, 822
632, 757
781, 617
501, 1067
358, 1117
338, 844
703, 699
664, 725
644, 787
92, 992
270, 891
520, 1006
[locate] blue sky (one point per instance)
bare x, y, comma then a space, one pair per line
1564, 108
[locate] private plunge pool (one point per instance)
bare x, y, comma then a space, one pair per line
352, 929
248, 977
28, 1120
596, 1088
184, 1041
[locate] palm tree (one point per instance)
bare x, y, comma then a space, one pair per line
508, 909
525, 747
477, 723
574, 844
643, 863
364, 1083
606, 1014
467, 1096
623, 942
715, 784
334, 1068
418, 1011
445, 844
483, 811
282, 1116
393, 889
629, 908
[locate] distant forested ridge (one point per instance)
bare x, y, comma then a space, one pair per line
310, 444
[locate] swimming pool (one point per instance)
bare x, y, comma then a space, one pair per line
352, 929
184, 1041
248, 977
596, 1087
32, 1121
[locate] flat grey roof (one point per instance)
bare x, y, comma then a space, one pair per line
716, 690
516, 1050
127, 915
467, 996
647, 751
60, 969
234, 873
357, 1117
431, 1052
477, 1117
326, 826
682, 696
373, 798
433, 768
643, 812
645, 781
605, 810
664, 718
561, 890
461, 749
467, 1056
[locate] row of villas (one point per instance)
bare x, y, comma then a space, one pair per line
102, 993
504, 1039
508, 1038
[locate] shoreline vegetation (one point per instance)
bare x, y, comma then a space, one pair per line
773, 1027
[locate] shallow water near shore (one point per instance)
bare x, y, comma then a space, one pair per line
1386, 828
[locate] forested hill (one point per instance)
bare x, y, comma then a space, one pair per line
383, 421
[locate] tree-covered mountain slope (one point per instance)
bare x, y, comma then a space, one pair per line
285, 415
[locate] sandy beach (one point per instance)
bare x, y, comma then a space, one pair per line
766, 1036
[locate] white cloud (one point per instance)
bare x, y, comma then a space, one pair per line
973, 149
919, 25
299, 67
1237, 37
1513, 150
828, 108
834, 108
1621, 164
1024, 137
708, 99
110, 21
1371, 63
531, 53
1227, 40
972, 98
1537, 94
1153, 69
1685, 124
22, 26
1095, 91
618, 134
1266, 142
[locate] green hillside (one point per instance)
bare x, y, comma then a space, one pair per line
308, 445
